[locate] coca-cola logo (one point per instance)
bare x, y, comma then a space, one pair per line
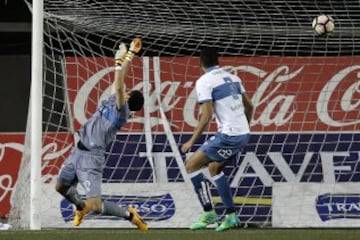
288, 96
11, 149
169, 100
51, 153
349, 101
277, 106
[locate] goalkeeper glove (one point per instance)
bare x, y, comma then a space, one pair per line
120, 54
124, 54
135, 47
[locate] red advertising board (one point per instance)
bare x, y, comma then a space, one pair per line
56, 148
11, 149
290, 94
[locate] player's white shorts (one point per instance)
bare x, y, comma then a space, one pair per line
222, 147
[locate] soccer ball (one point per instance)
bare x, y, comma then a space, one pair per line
323, 24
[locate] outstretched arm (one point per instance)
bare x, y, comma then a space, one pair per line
121, 69
123, 59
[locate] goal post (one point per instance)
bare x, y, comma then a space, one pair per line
305, 89
36, 115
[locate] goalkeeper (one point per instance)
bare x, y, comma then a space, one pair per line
223, 95
85, 163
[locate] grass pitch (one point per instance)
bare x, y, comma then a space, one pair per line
182, 234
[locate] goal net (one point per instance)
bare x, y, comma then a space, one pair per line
301, 164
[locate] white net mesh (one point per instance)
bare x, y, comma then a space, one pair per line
305, 90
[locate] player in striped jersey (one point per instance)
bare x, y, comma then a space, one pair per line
223, 95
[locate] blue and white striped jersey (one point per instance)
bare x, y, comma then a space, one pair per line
225, 91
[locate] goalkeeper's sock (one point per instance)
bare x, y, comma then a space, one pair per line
202, 190
224, 190
73, 196
112, 209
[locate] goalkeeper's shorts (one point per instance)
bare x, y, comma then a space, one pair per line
84, 167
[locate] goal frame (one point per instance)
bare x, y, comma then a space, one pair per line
36, 113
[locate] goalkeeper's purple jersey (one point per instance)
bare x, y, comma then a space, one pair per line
101, 128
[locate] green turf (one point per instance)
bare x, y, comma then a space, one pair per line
182, 234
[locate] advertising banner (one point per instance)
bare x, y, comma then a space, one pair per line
316, 205
11, 150
160, 205
291, 94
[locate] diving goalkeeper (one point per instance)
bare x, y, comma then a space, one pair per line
85, 163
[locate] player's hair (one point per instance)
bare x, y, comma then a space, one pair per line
209, 57
136, 100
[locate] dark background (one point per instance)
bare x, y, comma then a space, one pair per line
15, 64
15, 27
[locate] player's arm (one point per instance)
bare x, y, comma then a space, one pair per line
123, 59
248, 106
204, 97
121, 68
207, 109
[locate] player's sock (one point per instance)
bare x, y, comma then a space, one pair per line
224, 190
202, 189
113, 209
73, 196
